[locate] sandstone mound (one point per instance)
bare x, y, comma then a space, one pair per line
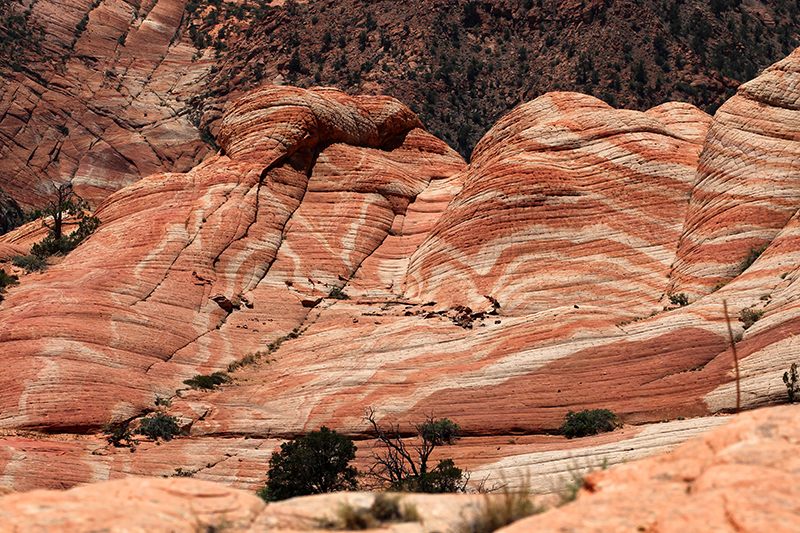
148, 295
567, 201
340, 257
747, 187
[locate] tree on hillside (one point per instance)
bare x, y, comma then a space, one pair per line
314, 464
64, 203
404, 467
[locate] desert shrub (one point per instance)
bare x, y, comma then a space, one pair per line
679, 299
120, 436
499, 510
31, 263
64, 203
6, 280
202, 382
314, 464
790, 379
754, 253
400, 466
159, 426
748, 317
588, 422
438, 432
338, 294
721, 283
385, 508
445, 477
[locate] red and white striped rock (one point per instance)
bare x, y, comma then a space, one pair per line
567, 201
559, 236
747, 187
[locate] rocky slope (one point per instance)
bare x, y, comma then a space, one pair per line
545, 276
99, 101
102, 93
534, 281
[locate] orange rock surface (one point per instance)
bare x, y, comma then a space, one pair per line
105, 110
738, 478
501, 294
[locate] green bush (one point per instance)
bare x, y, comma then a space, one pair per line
790, 379
50, 245
207, 382
120, 436
754, 253
159, 426
748, 317
6, 281
338, 294
31, 263
679, 299
588, 422
314, 464
439, 432
446, 477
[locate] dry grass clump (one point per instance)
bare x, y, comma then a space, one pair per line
385, 508
499, 510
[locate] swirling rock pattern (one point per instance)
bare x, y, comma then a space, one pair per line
501, 294
747, 185
567, 201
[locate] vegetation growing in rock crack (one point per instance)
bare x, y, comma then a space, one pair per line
588, 422
210, 382
314, 464
748, 317
119, 436
790, 379
159, 426
338, 294
679, 299
401, 466
753, 254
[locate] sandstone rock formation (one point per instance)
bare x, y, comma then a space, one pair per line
740, 477
747, 188
103, 107
530, 283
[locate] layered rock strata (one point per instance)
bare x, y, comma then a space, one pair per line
502, 294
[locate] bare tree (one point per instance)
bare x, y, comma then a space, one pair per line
404, 466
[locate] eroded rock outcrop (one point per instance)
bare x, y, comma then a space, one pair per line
747, 185
146, 285
103, 107
738, 478
532, 282
567, 201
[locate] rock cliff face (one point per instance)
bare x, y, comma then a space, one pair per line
101, 107
500, 294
